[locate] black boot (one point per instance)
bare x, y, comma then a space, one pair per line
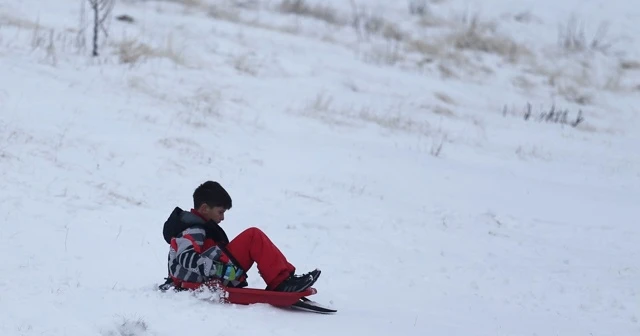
298, 283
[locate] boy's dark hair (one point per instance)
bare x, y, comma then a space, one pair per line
213, 194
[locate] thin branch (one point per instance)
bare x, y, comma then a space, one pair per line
101, 12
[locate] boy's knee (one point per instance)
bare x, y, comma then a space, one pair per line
254, 230
252, 233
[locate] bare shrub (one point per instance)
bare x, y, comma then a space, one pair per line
573, 94
38, 37
526, 17
51, 50
248, 4
443, 111
370, 24
578, 79
552, 77
429, 20
322, 103
323, 108
436, 146
81, 36
424, 46
614, 81
455, 64
468, 32
324, 13
246, 63
443, 97
393, 120
446, 70
572, 38
367, 24
386, 54
292, 28
351, 85
132, 51
391, 31
523, 83
418, 7
101, 10
125, 18
190, 3
6, 19
139, 83
481, 36
51, 43
630, 65
223, 13
550, 115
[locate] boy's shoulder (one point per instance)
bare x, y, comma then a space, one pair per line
178, 221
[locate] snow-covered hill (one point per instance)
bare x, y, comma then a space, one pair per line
407, 151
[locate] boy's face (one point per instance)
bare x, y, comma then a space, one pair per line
215, 214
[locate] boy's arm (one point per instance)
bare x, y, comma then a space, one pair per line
207, 263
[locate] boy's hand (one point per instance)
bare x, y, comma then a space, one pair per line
228, 272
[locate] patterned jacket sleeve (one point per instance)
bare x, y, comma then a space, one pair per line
190, 254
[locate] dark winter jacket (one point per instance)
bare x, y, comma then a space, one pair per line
197, 251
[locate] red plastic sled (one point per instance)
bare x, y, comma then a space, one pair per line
246, 296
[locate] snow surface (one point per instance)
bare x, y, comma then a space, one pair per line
430, 207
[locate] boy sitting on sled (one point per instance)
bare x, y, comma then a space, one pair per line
200, 252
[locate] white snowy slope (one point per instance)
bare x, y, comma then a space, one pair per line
383, 145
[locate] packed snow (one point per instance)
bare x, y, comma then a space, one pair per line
405, 148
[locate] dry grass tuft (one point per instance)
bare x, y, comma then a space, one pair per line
477, 35
630, 65
321, 12
572, 38
132, 51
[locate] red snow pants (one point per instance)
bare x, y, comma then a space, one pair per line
253, 246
